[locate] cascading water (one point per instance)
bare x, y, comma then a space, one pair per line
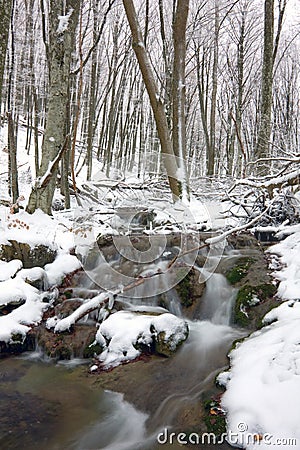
117, 425
218, 300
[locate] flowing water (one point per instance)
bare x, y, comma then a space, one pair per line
50, 406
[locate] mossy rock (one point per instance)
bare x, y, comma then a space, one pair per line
190, 290
37, 256
91, 350
215, 424
244, 314
184, 290
239, 271
18, 344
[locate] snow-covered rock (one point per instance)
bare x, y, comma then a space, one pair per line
125, 334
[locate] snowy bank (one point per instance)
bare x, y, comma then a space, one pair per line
262, 395
22, 297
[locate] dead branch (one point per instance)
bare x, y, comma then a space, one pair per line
142, 279
21, 165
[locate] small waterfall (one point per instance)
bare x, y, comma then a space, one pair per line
218, 300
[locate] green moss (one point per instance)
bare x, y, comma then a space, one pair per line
214, 423
17, 338
91, 350
184, 290
244, 301
239, 271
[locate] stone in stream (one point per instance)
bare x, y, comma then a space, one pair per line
126, 334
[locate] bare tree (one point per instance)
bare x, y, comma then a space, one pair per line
62, 25
179, 126
5, 12
264, 133
155, 100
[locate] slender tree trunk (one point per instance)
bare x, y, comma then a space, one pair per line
212, 138
155, 100
91, 119
264, 131
12, 147
61, 45
179, 126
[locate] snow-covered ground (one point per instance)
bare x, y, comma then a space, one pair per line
262, 396
35, 229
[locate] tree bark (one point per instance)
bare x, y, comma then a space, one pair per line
5, 12
264, 132
210, 163
155, 100
179, 126
61, 45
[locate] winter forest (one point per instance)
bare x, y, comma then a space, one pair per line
149, 224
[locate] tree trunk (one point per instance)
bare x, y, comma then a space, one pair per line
61, 45
5, 12
179, 126
210, 163
91, 119
264, 132
155, 100
13, 169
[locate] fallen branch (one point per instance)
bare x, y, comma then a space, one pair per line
277, 181
106, 297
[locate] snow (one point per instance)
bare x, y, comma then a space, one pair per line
64, 22
34, 230
9, 269
30, 312
67, 322
123, 331
289, 276
63, 264
263, 383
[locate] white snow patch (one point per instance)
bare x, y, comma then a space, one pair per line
9, 269
61, 266
64, 22
263, 384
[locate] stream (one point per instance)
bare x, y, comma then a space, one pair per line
58, 406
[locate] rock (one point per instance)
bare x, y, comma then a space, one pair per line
67, 307
66, 345
127, 334
18, 344
36, 277
167, 345
242, 240
38, 256
190, 291
9, 307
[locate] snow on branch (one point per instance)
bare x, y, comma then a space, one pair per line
64, 22
277, 181
66, 323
